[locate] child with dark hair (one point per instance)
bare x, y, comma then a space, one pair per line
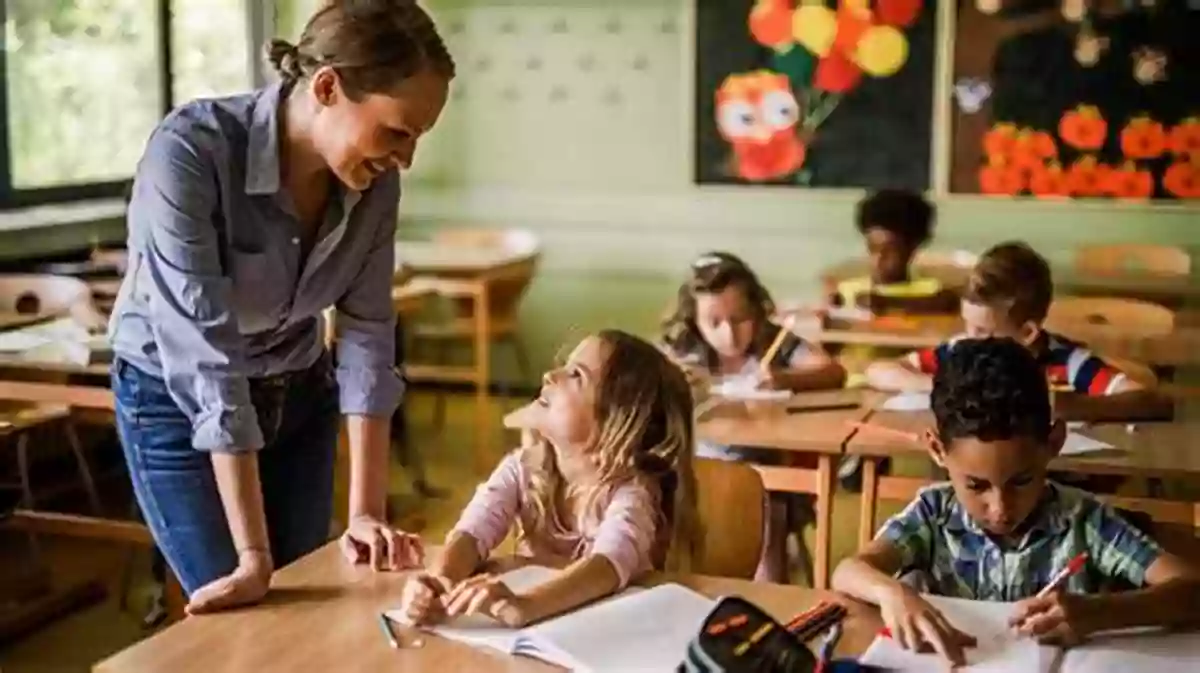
894, 224
999, 531
1008, 294
722, 326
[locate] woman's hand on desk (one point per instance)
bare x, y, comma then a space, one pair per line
372, 541
247, 584
917, 625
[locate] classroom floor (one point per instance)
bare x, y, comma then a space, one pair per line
76, 642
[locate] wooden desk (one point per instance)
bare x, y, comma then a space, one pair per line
322, 615
1162, 450
1164, 288
462, 272
819, 434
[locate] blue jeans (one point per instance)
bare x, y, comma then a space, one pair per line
174, 483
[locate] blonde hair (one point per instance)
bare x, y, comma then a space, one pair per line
644, 417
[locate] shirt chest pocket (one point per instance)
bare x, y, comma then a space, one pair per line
260, 292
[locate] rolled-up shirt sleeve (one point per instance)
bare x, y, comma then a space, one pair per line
190, 298
366, 322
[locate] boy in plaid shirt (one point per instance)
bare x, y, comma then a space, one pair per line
1000, 530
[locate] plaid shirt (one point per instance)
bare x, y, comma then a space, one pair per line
938, 540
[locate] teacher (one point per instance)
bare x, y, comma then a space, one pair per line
249, 215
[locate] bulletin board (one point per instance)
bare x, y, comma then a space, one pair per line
1070, 99
815, 93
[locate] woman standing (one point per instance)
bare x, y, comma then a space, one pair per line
250, 214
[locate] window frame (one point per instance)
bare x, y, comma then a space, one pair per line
259, 22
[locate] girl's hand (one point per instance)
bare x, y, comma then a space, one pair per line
487, 595
769, 380
1058, 618
369, 540
421, 602
247, 584
913, 622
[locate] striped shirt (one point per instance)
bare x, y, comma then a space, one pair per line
940, 542
626, 532
1066, 363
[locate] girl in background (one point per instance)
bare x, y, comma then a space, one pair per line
605, 486
722, 324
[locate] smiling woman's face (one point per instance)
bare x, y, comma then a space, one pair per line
361, 140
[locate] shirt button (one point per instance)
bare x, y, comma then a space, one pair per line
295, 241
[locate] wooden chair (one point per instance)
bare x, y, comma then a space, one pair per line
731, 504
505, 291
27, 298
1133, 257
1130, 317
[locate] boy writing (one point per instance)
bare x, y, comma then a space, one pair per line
1000, 530
894, 224
1008, 295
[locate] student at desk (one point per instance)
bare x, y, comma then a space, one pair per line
722, 326
605, 486
1008, 294
999, 531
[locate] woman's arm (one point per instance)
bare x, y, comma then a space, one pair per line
201, 350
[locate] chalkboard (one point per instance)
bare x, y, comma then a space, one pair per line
842, 98
1103, 104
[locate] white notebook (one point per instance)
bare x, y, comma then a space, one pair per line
1001, 650
998, 649
745, 388
653, 627
906, 402
1077, 444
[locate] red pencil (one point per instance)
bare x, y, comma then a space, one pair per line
1073, 566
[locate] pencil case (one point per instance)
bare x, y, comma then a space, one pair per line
738, 637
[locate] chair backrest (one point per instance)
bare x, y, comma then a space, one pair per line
1130, 317
1133, 257
507, 289
731, 504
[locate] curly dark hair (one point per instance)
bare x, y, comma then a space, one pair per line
712, 273
906, 214
991, 389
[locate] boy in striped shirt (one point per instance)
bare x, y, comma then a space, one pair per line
1008, 295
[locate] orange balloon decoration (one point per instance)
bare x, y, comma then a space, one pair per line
1083, 128
1143, 138
771, 22
836, 74
897, 12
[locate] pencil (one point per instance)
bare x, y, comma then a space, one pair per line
386, 625
784, 330
885, 430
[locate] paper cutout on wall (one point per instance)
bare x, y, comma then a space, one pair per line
971, 93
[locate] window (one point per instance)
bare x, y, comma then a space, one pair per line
85, 82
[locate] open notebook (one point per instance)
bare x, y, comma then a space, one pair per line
652, 626
1001, 650
745, 388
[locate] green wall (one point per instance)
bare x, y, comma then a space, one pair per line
572, 119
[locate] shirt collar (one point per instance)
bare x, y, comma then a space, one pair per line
262, 146
1049, 518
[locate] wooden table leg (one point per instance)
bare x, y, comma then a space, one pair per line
869, 500
483, 458
825, 476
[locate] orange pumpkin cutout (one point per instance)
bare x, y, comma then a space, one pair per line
1049, 181
1143, 138
999, 141
1087, 177
999, 179
1184, 140
1031, 149
1083, 128
1182, 180
1127, 182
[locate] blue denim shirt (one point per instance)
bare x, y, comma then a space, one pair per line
217, 292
